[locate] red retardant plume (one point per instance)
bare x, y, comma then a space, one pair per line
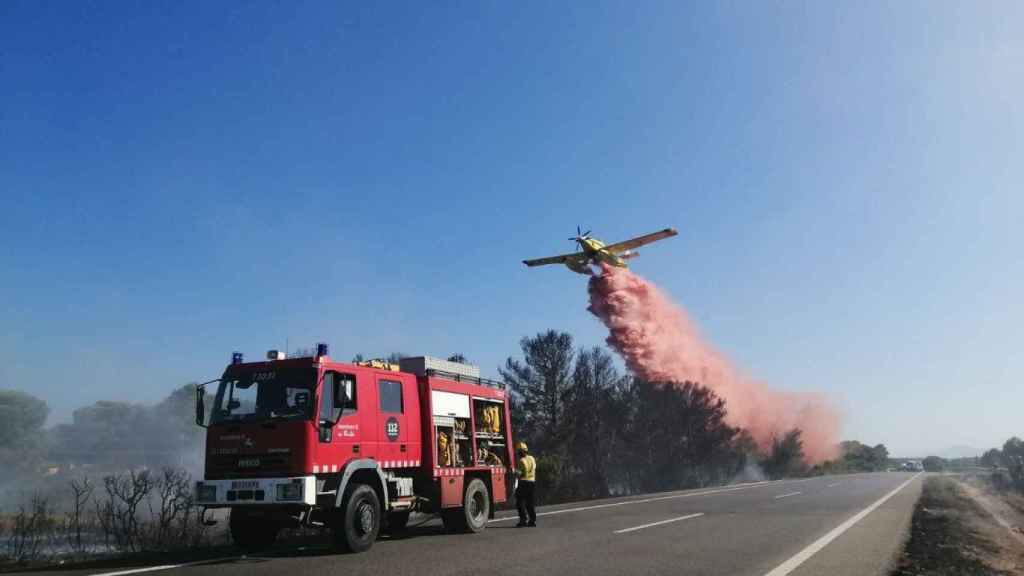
659, 343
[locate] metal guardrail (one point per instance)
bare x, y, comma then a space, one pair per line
464, 378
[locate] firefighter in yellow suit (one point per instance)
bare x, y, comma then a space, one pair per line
526, 469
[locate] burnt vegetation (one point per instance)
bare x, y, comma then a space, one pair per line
944, 534
133, 511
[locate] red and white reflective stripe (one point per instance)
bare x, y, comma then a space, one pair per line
448, 472
399, 463
330, 468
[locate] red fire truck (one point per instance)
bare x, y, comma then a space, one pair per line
353, 447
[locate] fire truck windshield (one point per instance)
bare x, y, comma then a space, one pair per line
265, 395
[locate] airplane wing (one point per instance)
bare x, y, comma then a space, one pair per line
641, 240
552, 259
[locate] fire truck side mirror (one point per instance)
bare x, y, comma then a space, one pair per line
200, 407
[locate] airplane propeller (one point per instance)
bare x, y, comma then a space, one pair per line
580, 235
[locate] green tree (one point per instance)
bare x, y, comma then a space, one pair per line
933, 464
113, 434
786, 458
120, 435
880, 457
740, 461
857, 457
179, 411
595, 417
992, 458
1013, 458
539, 386
22, 416
678, 434
173, 430
542, 382
22, 439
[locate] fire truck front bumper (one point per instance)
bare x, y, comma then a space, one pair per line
256, 491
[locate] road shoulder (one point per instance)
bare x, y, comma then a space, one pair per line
871, 546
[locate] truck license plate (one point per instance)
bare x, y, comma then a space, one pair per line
244, 484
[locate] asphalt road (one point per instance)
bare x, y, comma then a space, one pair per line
827, 525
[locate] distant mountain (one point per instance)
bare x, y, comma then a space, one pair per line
959, 452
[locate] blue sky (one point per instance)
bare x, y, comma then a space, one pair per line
183, 180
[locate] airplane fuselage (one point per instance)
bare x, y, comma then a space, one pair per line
595, 253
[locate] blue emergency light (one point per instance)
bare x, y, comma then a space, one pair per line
321, 349
236, 357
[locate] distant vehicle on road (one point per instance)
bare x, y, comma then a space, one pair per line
912, 466
353, 447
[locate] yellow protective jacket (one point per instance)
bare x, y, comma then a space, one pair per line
527, 467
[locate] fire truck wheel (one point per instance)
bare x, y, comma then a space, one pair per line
252, 533
397, 522
476, 506
359, 521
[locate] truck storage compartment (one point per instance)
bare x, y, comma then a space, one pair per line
489, 420
453, 446
451, 413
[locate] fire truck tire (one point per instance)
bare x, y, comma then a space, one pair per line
397, 522
252, 533
476, 507
358, 522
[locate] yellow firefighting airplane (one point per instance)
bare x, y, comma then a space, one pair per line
593, 251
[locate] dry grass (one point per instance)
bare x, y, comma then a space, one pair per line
953, 533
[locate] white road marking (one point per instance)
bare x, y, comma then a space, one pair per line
833, 485
669, 521
167, 566
816, 546
645, 500
787, 495
138, 570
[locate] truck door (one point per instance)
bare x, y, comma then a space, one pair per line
353, 435
366, 386
393, 433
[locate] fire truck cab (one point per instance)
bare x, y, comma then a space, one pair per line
353, 447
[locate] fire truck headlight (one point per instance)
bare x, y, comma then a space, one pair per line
289, 492
206, 492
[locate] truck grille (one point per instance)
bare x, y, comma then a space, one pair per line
247, 465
